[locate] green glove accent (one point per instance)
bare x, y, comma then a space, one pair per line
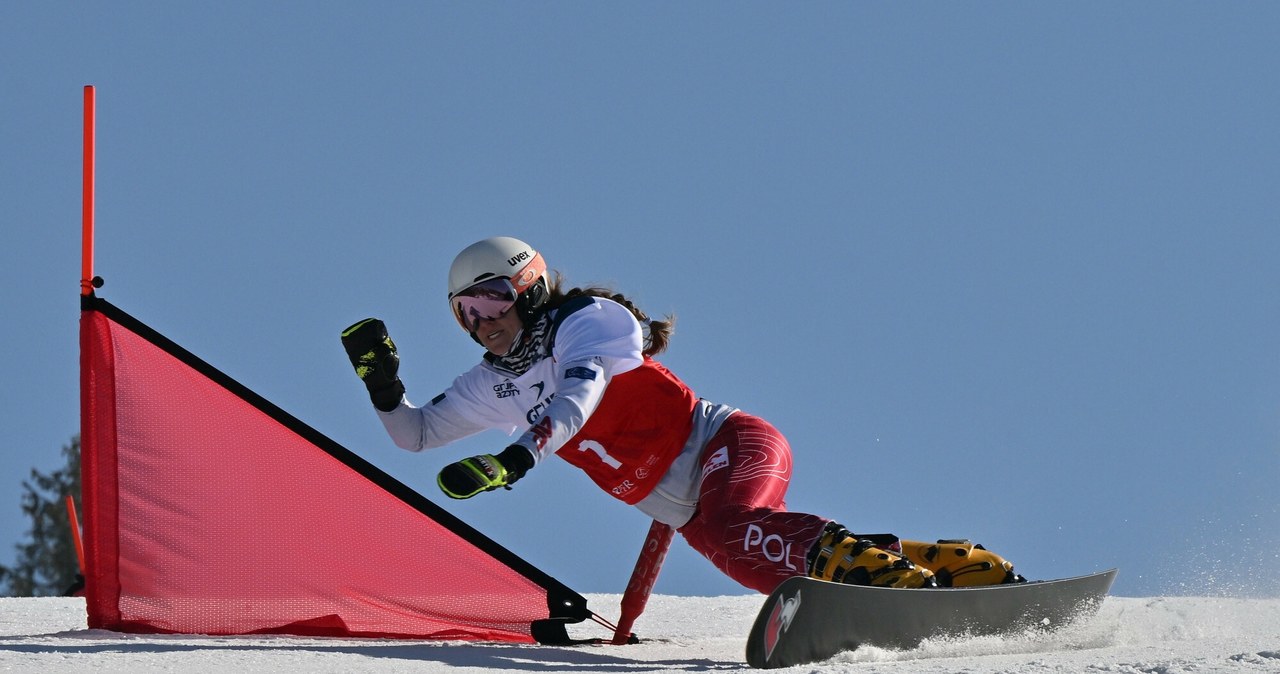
470, 476
374, 357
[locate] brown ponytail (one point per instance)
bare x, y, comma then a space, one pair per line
657, 333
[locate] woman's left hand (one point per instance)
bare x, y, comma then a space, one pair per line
470, 476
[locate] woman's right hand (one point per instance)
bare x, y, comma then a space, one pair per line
374, 357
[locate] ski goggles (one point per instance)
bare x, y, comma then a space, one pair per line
493, 298
486, 300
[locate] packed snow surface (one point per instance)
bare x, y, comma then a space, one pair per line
693, 634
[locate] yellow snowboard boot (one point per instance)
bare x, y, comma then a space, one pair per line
842, 557
959, 563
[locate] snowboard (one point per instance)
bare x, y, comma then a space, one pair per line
805, 620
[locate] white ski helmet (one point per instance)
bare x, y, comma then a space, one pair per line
507, 262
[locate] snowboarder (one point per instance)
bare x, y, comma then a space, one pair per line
575, 369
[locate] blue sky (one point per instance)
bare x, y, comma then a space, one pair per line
1004, 271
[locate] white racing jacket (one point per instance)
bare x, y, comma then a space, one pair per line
592, 399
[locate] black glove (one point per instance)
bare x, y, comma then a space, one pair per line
374, 356
486, 472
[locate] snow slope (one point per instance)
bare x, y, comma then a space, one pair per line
694, 634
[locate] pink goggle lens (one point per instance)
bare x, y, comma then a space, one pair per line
486, 300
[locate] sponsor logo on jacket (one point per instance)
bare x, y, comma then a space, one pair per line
580, 373
537, 410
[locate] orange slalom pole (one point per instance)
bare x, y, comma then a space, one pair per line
86, 230
75, 531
